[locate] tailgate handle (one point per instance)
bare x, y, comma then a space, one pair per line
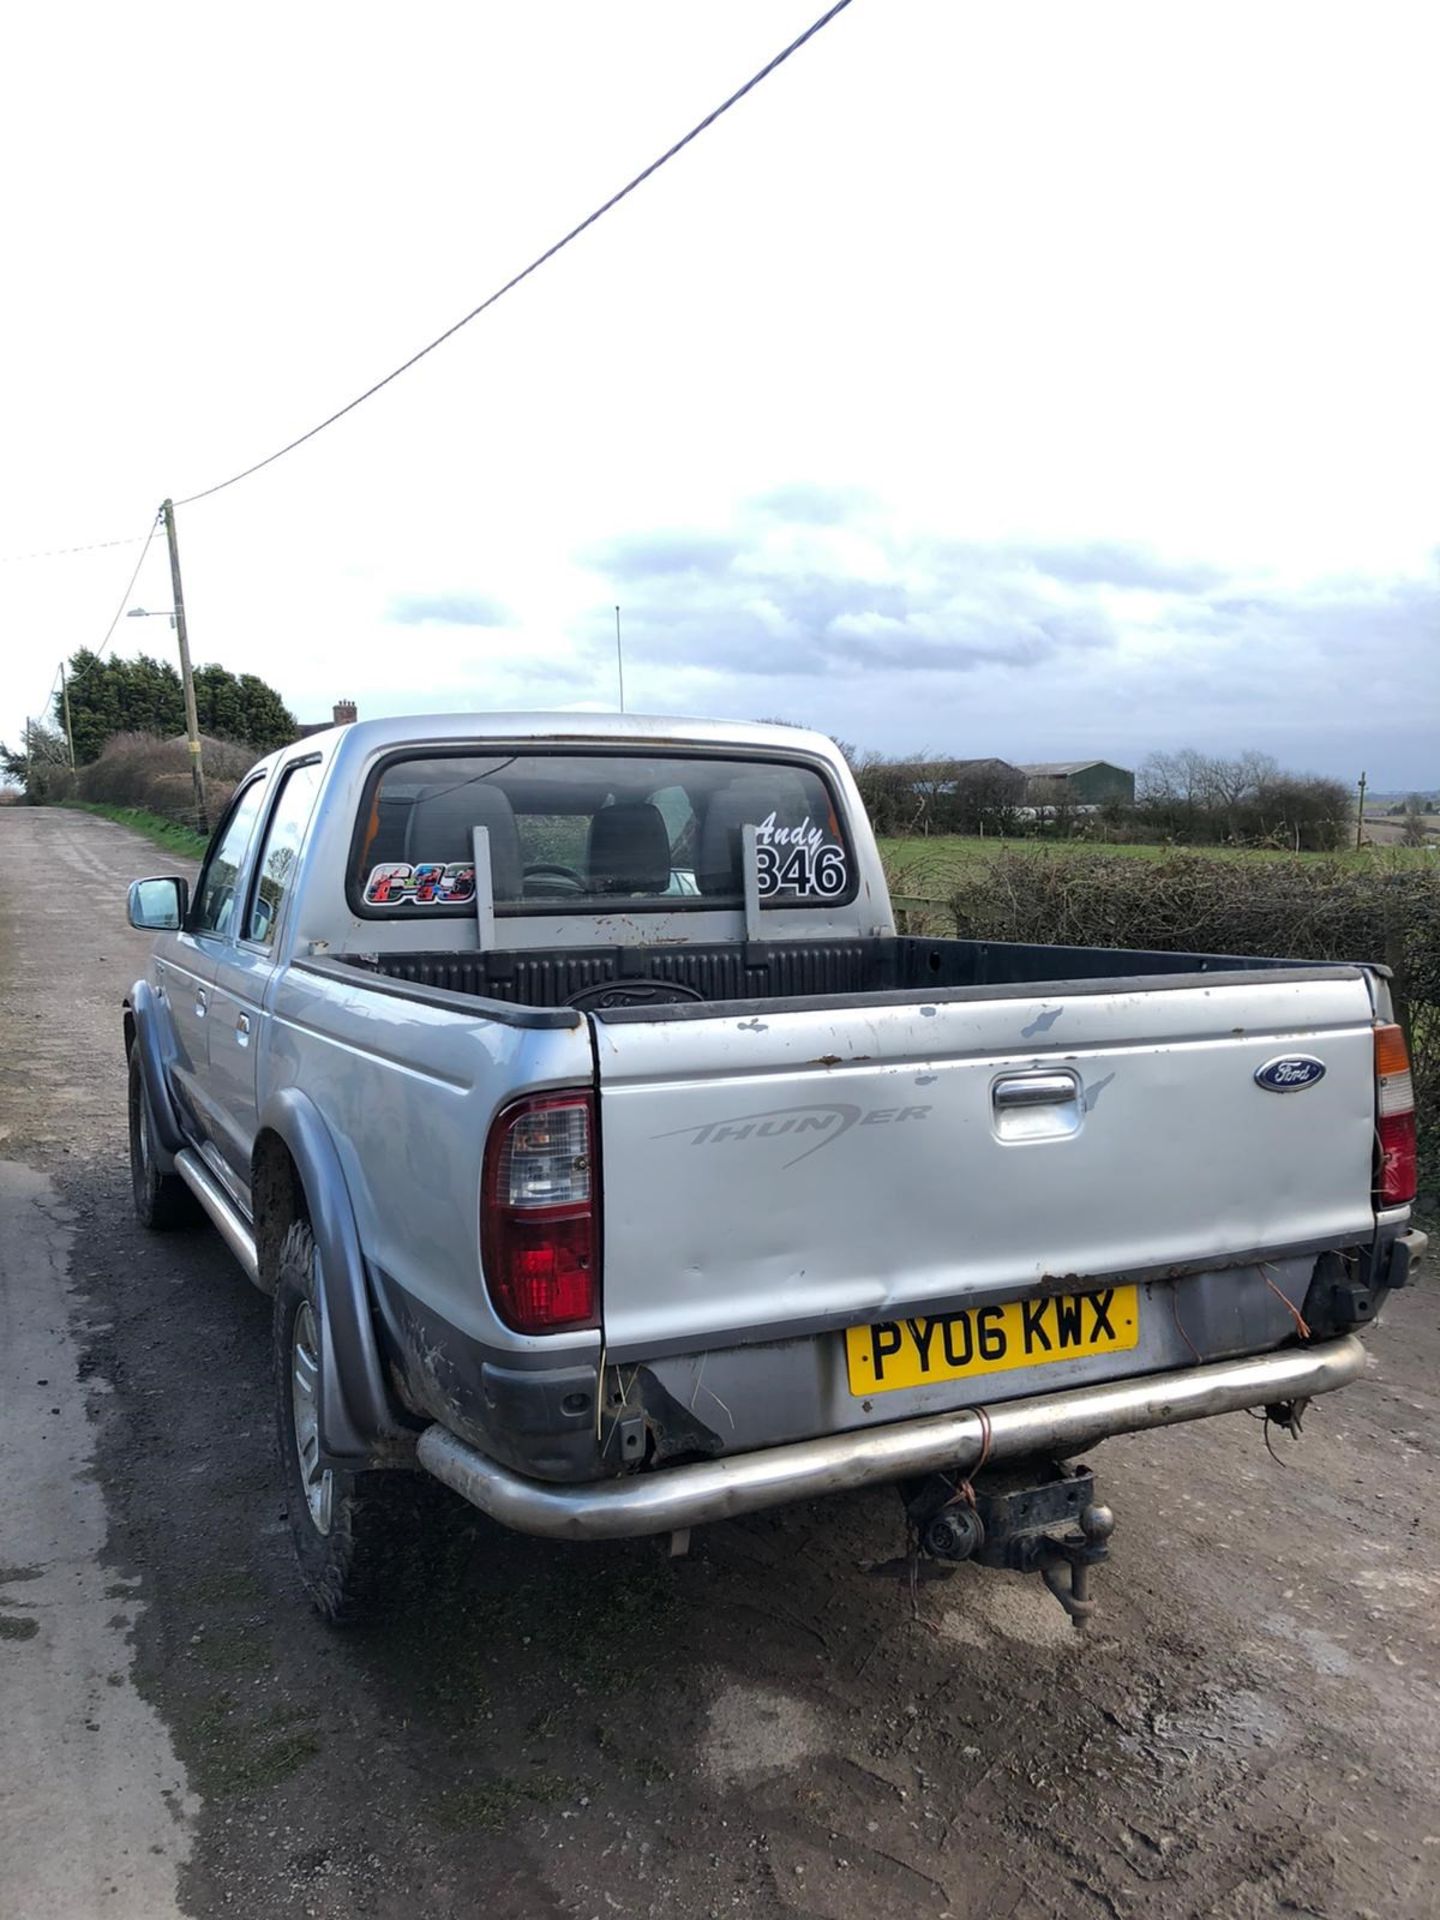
1036, 1090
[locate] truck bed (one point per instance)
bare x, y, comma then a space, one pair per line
787, 970
822, 1134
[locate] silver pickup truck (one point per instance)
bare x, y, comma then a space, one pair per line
611, 1159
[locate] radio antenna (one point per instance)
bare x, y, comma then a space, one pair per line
619, 660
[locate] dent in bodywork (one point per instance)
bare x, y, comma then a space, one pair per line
674, 1430
541, 1421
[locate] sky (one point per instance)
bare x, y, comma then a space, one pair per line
1044, 381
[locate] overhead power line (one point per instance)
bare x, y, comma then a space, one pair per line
701, 126
540, 260
42, 718
119, 611
56, 553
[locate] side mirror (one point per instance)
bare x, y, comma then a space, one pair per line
158, 906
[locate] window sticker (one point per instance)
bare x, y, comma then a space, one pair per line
427, 883
798, 860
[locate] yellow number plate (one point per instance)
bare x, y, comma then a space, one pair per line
1022, 1333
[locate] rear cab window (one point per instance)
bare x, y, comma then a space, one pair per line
574, 831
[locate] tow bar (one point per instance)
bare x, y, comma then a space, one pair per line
1030, 1516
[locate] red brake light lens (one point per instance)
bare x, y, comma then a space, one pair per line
1394, 1119
537, 1214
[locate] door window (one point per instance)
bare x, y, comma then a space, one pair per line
281, 851
215, 899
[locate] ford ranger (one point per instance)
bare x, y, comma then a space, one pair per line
611, 1158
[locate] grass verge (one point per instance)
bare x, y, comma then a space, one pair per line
169, 834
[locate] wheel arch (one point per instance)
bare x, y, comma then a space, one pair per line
147, 1035
297, 1174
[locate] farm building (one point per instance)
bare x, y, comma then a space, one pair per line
1078, 783
998, 780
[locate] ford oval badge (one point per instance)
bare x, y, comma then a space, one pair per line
1289, 1075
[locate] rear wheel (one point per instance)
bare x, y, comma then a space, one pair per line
360, 1537
162, 1200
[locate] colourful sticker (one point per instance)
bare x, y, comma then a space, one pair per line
427, 883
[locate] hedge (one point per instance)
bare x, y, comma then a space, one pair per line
139, 770
1287, 909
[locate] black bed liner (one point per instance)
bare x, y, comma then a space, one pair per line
786, 970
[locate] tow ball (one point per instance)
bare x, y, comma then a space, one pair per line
1032, 1516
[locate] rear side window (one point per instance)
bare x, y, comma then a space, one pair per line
214, 910
287, 827
579, 832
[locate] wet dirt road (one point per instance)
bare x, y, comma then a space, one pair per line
1252, 1726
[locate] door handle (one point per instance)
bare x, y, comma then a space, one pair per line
242, 1029
200, 1003
1036, 1090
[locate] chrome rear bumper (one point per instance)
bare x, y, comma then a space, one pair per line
1063, 1424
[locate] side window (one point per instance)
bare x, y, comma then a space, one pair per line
214, 909
678, 812
282, 849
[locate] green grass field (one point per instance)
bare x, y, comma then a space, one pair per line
928, 868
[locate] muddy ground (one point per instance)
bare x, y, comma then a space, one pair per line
1252, 1726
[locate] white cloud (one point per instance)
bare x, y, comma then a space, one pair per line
1058, 331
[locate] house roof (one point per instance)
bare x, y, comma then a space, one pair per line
1057, 769
945, 764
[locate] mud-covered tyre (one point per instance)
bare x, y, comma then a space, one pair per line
360, 1538
163, 1202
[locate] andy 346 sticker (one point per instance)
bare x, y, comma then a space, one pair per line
427, 883
798, 860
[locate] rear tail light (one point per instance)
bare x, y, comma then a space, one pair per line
537, 1214
1394, 1119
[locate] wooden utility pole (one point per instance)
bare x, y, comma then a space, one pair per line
192, 724
65, 702
1360, 817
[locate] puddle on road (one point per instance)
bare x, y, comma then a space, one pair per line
1233, 1722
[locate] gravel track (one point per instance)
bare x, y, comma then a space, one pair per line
1251, 1727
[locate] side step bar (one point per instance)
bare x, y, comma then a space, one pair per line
228, 1219
1059, 1424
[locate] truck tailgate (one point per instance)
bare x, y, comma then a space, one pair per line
771, 1171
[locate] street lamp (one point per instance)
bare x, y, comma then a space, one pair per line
192, 724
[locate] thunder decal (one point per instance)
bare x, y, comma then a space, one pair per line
830, 1120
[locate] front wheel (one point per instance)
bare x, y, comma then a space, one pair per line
359, 1537
162, 1200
